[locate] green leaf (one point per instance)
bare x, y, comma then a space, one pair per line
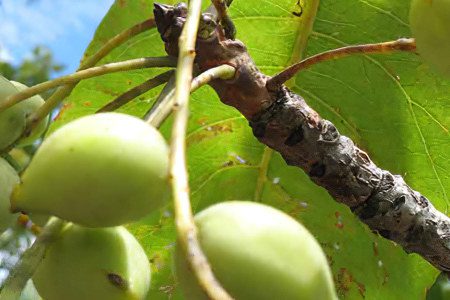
392, 106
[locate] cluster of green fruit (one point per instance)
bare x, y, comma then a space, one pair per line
106, 170
430, 25
98, 172
12, 125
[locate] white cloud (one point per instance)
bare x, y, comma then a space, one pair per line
43, 21
5, 55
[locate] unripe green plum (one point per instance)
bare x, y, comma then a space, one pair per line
93, 263
257, 252
8, 179
100, 170
430, 25
13, 120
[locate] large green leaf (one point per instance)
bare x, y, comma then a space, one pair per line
392, 106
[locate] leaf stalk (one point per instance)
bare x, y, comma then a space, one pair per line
403, 44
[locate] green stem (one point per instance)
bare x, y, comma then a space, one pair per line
136, 91
186, 229
402, 44
30, 260
163, 105
65, 91
52, 102
12, 162
114, 42
165, 102
127, 65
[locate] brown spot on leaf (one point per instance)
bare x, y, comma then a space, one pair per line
87, 103
339, 224
344, 282
385, 276
361, 289
228, 164
157, 261
209, 132
168, 290
202, 121
375, 248
63, 109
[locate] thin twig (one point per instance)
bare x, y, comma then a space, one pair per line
127, 65
30, 259
162, 107
224, 72
385, 47
186, 230
164, 104
136, 91
116, 41
64, 91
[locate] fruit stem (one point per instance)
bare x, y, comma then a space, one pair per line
30, 260
403, 44
136, 91
12, 162
165, 102
186, 230
114, 42
65, 91
132, 64
162, 107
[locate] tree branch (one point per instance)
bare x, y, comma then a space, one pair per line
283, 121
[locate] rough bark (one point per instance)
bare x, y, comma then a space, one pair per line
283, 121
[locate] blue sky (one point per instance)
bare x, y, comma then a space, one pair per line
64, 26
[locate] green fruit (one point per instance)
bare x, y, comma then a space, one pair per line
34, 103
257, 253
8, 179
100, 170
13, 120
430, 25
101, 263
